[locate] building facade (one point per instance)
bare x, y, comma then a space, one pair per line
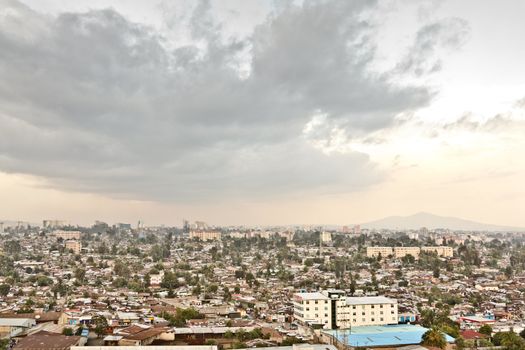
332, 309
74, 246
67, 235
313, 309
400, 252
206, 235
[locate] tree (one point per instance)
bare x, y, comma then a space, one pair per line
67, 331
101, 323
12, 247
4, 289
460, 343
486, 329
510, 340
434, 337
80, 274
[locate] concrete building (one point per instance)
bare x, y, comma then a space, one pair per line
399, 252
313, 309
332, 309
12, 327
74, 245
206, 235
365, 311
326, 237
53, 223
67, 235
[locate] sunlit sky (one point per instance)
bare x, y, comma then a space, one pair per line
261, 112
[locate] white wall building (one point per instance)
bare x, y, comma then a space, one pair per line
313, 309
399, 252
333, 309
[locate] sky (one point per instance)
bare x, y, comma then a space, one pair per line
240, 112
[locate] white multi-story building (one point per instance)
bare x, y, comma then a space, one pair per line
206, 235
365, 311
326, 237
399, 252
332, 309
74, 246
313, 309
67, 235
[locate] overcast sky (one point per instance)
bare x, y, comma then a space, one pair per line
261, 112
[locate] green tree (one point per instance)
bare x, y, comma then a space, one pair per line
4, 289
101, 324
67, 331
434, 337
510, 340
486, 329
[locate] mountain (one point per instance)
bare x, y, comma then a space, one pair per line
430, 221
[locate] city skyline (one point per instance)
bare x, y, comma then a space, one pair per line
244, 112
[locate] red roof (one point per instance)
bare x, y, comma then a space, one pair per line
470, 334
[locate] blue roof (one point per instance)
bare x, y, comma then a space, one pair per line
382, 335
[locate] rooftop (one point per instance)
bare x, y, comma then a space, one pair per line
369, 300
381, 335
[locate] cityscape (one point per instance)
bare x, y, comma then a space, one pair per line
279, 174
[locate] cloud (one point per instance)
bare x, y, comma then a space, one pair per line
93, 102
422, 58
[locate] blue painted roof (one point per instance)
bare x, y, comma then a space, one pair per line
382, 335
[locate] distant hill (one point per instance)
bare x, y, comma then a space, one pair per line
431, 221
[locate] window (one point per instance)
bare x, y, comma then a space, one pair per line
380, 306
381, 312
372, 306
355, 320
381, 318
317, 302
353, 307
353, 313
316, 308
363, 319
372, 320
362, 313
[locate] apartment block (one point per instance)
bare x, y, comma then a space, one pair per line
313, 309
365, 311
74, 245
399, 252
67, 235
332, 309
206, 235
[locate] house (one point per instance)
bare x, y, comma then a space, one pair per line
48, 341
12, 327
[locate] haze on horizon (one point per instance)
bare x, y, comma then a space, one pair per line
261, 112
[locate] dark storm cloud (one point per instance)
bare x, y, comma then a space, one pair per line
93, 102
